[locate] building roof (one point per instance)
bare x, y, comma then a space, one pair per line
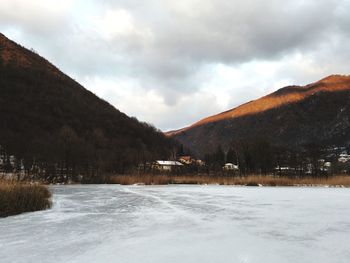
231, 165
169, 163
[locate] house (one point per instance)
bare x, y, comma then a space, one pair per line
166, 165
327, 164
185, 159
343, 158
230, 167
326, 167
188, 160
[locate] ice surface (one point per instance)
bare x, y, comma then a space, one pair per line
161, 224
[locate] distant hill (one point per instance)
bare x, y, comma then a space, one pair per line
49, 121
290, 117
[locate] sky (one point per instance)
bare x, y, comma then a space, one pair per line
173, 62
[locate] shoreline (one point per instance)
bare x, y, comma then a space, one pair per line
252, 180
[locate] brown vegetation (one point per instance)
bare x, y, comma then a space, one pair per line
10, 52
16, 198
253, 180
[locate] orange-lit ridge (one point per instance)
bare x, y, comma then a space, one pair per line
281, 97
10, 52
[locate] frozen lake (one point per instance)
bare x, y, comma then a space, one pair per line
164, 224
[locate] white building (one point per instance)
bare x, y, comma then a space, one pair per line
230, 167
343, 158
167, 165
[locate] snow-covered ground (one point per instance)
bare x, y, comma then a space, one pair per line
164, 224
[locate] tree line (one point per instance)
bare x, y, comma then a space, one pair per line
66, 156
259, 156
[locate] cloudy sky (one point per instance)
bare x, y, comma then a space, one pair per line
173, 62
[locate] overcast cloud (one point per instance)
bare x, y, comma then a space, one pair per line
172, 62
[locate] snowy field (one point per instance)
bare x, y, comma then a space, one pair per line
161, 224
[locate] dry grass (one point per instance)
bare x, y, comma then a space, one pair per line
16, 198
252, 180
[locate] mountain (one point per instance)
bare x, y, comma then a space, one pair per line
48, 120
290, 117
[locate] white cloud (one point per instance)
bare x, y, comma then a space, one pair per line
150, 105
37, 16
119, 24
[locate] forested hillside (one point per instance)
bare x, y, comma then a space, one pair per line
58, 130
318, 113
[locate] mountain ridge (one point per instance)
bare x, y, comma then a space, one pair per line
11, 52
291, 116
51, 122
274, 99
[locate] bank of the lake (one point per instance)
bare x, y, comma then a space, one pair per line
249, 180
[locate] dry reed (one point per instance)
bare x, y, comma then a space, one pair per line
16, 198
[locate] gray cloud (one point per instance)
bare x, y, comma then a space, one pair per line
232, 32
236, 31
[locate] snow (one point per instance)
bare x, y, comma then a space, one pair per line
113, 223
169, 163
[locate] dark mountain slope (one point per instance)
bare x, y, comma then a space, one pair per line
289, 117
48, 117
